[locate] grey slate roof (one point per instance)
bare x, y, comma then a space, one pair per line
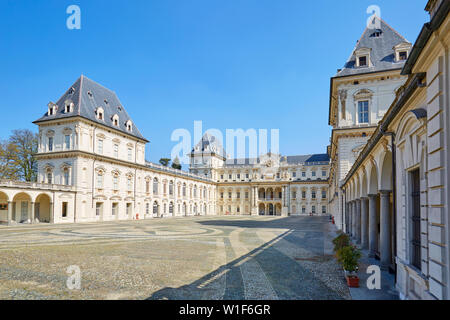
299, 159
382, 54
209, 143
85, 105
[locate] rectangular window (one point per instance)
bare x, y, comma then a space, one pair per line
116, 150
50, 144
363, 111
246, 176
313, 209
303, 174
363, 61
99, 181
129, 184
67, 142
324, 173
98, 208
415, 220
115, 206
403, 55
303, 210
147, 186
115, 183
313, 194
303, 194
324, 194
238, 176
294, 174
66, 177
64, 209
130, 154
246, 195
229, 195
100, 146
313, 173
221, 195
238, 195
324, 209
294, 195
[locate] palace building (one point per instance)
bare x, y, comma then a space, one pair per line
92, 167
385, 176
393, 195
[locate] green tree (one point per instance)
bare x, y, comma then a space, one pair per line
8, 161
164, 161
176, 163
26, 145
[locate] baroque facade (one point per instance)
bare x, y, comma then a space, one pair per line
396, 193
92, 167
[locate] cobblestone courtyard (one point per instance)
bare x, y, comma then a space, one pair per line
179, 258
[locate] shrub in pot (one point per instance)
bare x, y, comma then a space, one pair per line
348, 257
342, 240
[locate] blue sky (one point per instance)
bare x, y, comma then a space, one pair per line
230, 63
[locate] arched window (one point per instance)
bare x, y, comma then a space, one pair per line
155, 208
129, 125
184, 189
115, 120
195, 191
155, 186
100, 113
171, 207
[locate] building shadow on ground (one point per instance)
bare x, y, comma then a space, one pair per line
277, 275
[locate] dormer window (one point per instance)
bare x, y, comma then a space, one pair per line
129, 126
89, 93
115, 120
100, 113
362, 56
68, 106
52, 108
402, 51
377, 33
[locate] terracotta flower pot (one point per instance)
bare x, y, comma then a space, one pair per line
352, 281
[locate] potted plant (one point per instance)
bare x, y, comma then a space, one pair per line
342, 240
348, 256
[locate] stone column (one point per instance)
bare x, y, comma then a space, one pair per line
358, 221
52, 213
364, 223
32, 212
346, 217
10, 205
350, 212
372, 225
354, 219
385, 230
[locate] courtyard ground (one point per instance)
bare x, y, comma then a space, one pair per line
220, 257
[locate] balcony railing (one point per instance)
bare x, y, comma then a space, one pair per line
35, 185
